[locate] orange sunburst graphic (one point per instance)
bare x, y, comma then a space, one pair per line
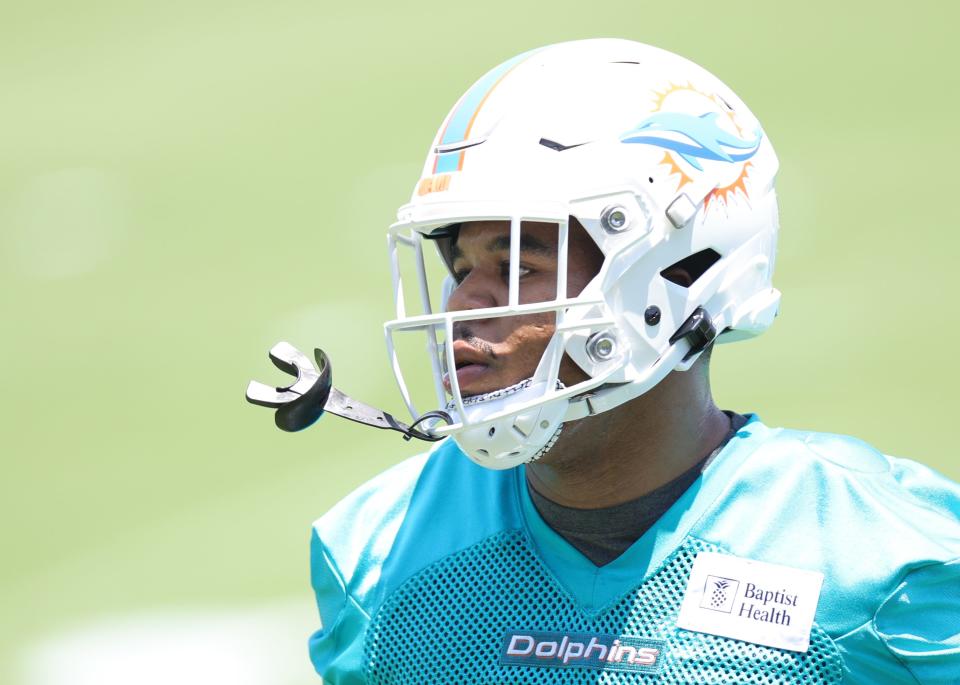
722, 195
668, 161
660, 96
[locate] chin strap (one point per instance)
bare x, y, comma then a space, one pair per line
300, 404
549, 445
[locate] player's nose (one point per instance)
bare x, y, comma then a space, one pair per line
476, 291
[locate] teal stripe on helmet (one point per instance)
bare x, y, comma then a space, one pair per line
456, 129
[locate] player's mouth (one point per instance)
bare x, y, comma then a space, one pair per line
472, 368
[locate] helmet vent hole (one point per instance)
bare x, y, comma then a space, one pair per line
482, 453
650, 178
492, 431
686, 272
559, 147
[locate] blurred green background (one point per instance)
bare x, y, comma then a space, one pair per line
182, 184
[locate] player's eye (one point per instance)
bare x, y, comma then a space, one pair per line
505, 270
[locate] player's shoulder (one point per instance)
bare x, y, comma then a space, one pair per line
832, 494
836, 505
429, 479
421, 509
375, 499
846, 452
827, 460
885, 533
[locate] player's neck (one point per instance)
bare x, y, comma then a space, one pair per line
624, 453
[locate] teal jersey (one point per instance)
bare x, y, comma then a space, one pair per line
439, 571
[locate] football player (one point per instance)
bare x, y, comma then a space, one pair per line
603, 213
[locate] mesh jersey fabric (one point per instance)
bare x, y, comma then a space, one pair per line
419, 573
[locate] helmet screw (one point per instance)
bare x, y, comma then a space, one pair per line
652, 315
601, 346
614, 219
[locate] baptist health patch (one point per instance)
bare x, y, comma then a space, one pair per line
581, 650
749, 600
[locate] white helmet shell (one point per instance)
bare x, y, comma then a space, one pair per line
661, 163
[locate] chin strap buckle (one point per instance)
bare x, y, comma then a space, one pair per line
698, 330
300, 404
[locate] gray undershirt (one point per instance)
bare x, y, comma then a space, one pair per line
602, 535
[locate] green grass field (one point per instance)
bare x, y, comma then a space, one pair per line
184, 184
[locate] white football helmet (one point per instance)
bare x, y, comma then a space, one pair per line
661, 163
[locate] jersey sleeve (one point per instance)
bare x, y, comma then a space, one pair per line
336, 649
919, 623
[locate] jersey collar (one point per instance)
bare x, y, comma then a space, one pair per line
593, 587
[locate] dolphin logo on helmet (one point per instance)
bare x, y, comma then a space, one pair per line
619, 195
707, 139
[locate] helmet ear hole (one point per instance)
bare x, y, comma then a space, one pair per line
686, 271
